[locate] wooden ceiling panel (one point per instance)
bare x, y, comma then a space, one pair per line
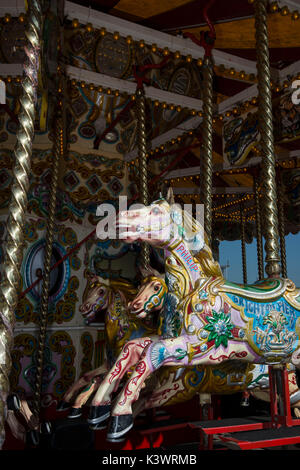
145, 9
184, 16
283, 32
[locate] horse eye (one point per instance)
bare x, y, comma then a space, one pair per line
156, 210
156, 288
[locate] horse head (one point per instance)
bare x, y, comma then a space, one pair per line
151, 294
161, 222
95, 297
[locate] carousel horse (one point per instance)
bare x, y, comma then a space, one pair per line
174, 385
112, 296
208, 320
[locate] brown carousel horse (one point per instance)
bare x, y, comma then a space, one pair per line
112, 297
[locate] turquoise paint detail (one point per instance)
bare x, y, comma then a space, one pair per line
273, 324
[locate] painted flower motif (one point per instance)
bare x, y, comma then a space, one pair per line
219, 327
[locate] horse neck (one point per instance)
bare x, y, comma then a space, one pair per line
187, 267
117, 305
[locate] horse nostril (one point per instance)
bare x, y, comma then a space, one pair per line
84, 307
136, 304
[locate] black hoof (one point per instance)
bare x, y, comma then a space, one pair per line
62, 406
13, 402
245, 402
33, 437
98, 414
46, 428
75, 413
118, 426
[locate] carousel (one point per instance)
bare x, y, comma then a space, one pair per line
136, 137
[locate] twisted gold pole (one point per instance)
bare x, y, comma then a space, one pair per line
265, 122
243, 245
43, 315
281, 219
207, 133
142, 151
18, 204
259, 243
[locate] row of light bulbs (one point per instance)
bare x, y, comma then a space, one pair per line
284, 11
235, 218
241, 74
110, 91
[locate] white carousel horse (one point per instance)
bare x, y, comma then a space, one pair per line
217, 321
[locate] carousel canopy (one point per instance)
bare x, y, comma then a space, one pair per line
108, 44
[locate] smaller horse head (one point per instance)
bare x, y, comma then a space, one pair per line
95, 297
151, 295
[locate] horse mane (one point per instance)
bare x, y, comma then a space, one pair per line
125, 286
210, 267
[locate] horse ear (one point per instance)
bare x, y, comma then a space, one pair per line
87, 274
170, 196
148, 271
90, 275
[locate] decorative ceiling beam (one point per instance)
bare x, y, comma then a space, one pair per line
240, 97
150, 36
182, 128
129, 87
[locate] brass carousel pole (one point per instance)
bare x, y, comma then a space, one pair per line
243, 245
142, 151
269, 207
15, 224
58, 150
207, 133
259, 243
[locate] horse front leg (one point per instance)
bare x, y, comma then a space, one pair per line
129, 356
160, 353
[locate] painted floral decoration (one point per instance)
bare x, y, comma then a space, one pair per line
219, 327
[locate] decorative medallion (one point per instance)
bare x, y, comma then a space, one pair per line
59, 276
112, 56
13, 41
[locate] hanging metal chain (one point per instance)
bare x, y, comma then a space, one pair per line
142, 151
281, 218
18, 204
259, 244
207, 133
265, 121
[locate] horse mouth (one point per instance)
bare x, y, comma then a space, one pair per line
138, 313
89, 315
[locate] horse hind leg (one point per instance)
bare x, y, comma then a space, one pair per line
101, 404
83, 382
